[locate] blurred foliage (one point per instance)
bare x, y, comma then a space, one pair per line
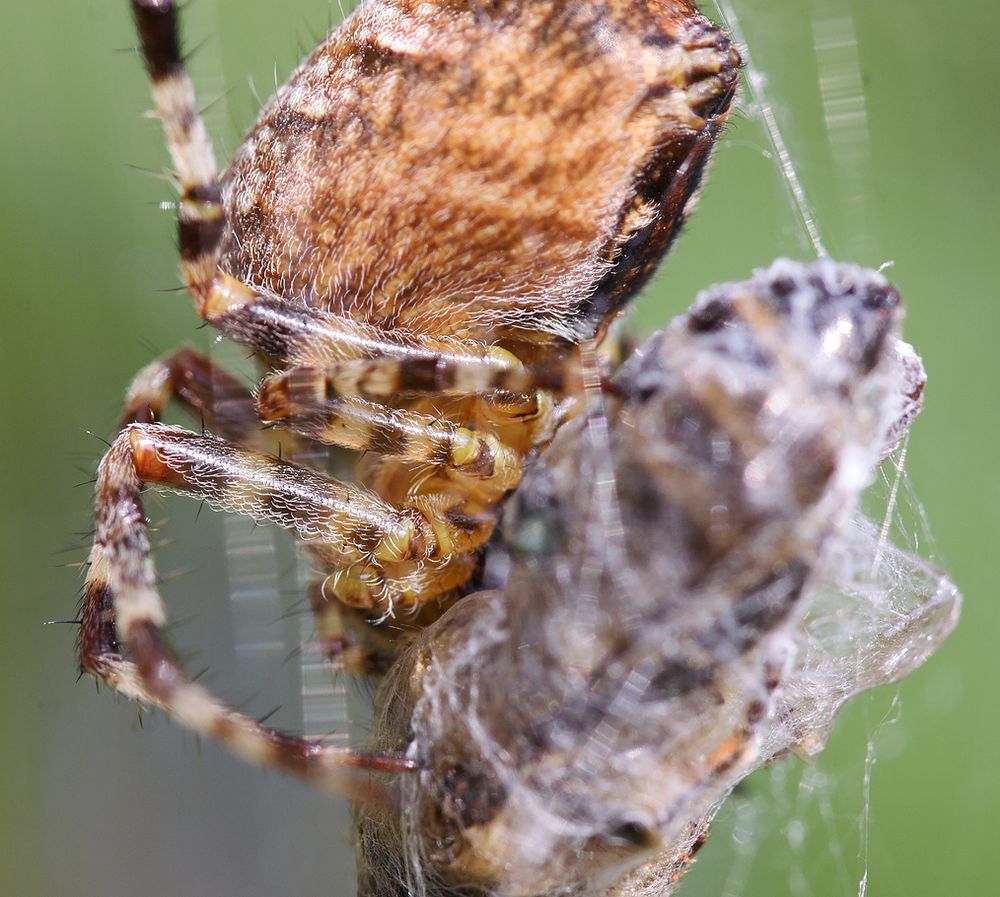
91, 805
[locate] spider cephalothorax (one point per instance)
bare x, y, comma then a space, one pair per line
443, 201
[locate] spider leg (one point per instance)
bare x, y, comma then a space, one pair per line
200, 216
397, 432
479, 369
122, 606
356, 524
149, 674
476, 465
205, 390
460, 368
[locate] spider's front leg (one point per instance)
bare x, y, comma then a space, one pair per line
123, 615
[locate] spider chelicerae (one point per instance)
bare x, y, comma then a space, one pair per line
424, 239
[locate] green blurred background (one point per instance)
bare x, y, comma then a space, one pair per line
891, 112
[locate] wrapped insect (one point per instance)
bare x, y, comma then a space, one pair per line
692, 592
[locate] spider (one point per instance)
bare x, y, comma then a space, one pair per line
443, 202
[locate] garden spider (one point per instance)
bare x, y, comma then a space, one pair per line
443, 201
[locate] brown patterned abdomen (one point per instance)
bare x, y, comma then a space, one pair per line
482, 170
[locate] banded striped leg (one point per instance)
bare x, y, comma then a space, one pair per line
200, 215
204, 389
477, 466
479, 370
489, 373
396, 432
392, 365
122, 605
147, 672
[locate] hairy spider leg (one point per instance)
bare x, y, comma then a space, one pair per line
122, 605
396, 432
385, 377
200, 217
479, 466
151, 675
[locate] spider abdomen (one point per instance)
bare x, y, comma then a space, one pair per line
441, 169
